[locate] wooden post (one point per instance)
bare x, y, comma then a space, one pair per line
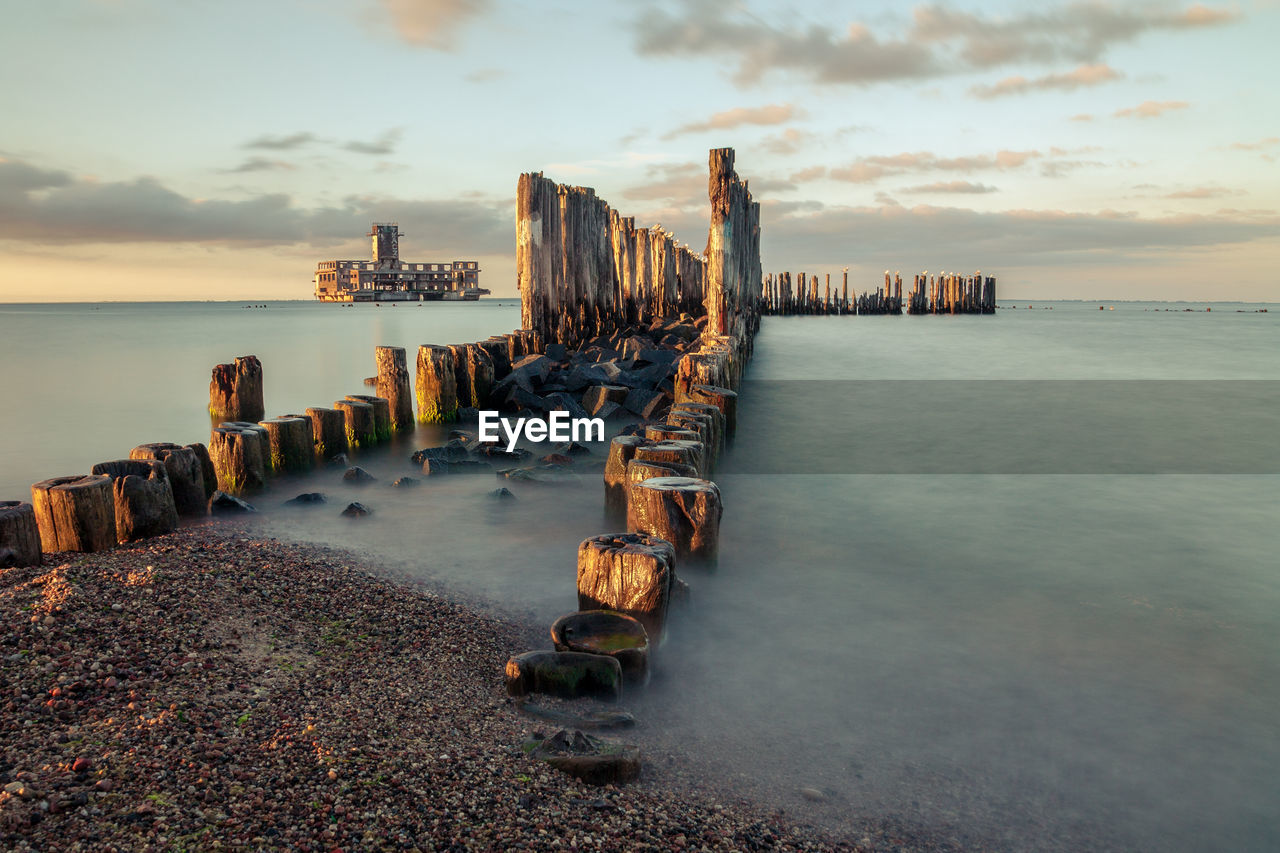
682, 510
362, 428
381, 414
328, 431
290, 443
723, 399
142, 498
19, 535
622, 449
437, 384
186, 474
75, 513
238, 459
207, 472
393, 384
473, 374
235, 391
673, 452
606, 632
629, 573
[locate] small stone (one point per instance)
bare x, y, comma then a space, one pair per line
111, 682
117, 607
357, 476
812, 794
405, 482
306, 499
333, 775
356, 510
104, 785
502, 494
49, 621
80, 765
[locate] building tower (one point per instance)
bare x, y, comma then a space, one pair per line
386, 245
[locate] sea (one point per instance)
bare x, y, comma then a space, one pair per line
1006, 581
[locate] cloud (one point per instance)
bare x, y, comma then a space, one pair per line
949, 187
788, 142
485, 75
1260, 145
433, 23
939, 40
702, 28
1082, 117
760, 186
868, 169
1151, 109
1085, 75
282, 143
683, 185
1007, 238
1202, 192
384, 144
260, 164
812, 173
52, 207
728, 119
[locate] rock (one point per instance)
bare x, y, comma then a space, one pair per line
572, 448
468, 413
605, 632
596, 396
590, 759
357, 476
556, 459
629, 573
356, 510
502, 494
523, 400
812, 794
568, 675
307, 499
338, 461
658, 356
556, 352
501, 454
456, 450
224, 504
644, 402
81, 765
404, 483
561, 400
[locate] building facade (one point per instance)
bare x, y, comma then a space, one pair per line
386, 278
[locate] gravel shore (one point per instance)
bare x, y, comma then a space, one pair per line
210, 689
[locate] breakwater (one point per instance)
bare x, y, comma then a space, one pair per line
945, 293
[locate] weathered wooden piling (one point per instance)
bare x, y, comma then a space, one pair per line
630, 573
141, 496
437, 385
393, 384
473, 374
238, 458
235, 391
381, 414
186, 474
673, 452
567, 675
290, 444
722, 398
328, 431
684, 511
622, 449
606, 632
75, 513
362, 427
19, 535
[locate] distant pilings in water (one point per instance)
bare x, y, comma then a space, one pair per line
944, 293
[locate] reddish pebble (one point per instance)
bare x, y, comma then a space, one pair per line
111, 681
103, 785
81, 765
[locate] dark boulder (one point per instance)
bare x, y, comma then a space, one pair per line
306, 499
568, 675
224, 504
590, 759
356, 510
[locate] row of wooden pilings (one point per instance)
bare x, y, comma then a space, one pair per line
658, 487
947, 293
125, 500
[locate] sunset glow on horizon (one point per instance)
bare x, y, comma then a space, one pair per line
1087, 150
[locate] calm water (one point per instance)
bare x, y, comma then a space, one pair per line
1042, 660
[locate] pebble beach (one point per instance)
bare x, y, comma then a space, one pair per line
212, 689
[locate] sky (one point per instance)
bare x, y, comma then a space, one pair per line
219, 150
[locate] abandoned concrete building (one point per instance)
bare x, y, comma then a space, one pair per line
386, 278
